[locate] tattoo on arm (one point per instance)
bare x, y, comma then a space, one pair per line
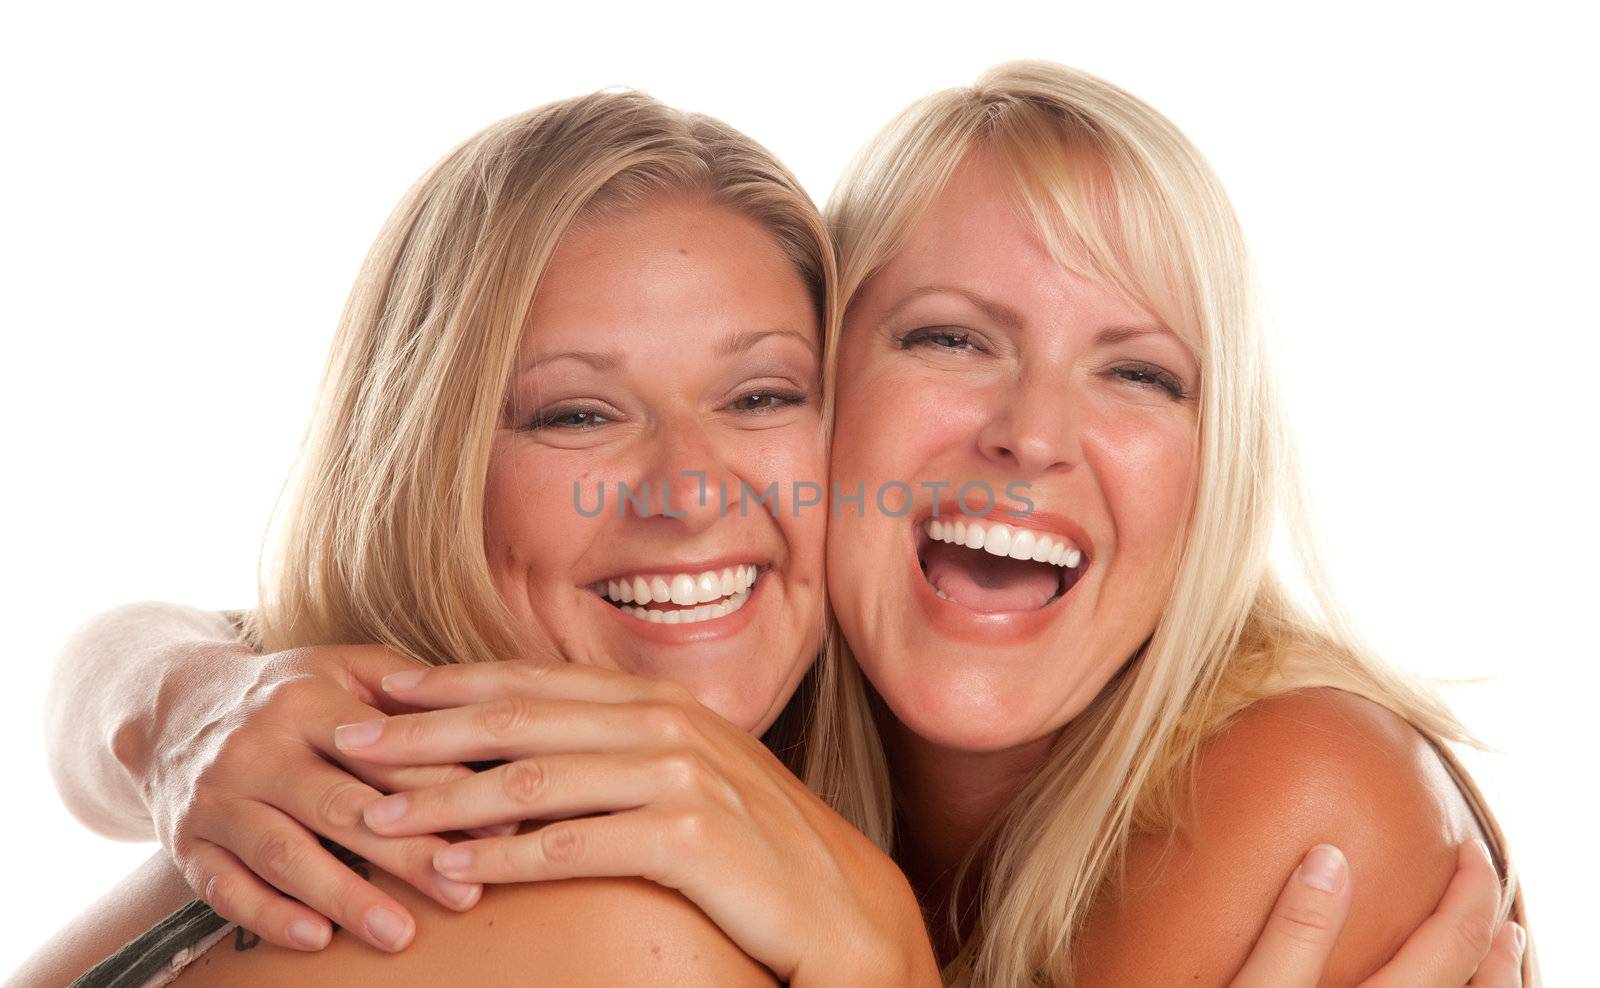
244, 940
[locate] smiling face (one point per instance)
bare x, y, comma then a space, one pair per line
973, 357
668, 338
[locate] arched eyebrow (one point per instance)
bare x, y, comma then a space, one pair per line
741, 341
1007, 317
1010, 319
610, 360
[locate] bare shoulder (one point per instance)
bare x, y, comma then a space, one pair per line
1317, 766
145, 897
581, 932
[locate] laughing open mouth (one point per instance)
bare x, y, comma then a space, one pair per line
991, 568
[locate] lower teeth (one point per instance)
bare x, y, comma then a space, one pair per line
690, 615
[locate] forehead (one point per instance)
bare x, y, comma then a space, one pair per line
975, 236
674, 263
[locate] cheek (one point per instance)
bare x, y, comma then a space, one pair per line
531, 527
1146, 469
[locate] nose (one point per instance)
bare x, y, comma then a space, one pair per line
1033, 429
684, 481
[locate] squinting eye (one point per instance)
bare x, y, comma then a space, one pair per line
577, 418
939, 338
1148, 376
760, 402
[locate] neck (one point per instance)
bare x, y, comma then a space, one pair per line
945, 800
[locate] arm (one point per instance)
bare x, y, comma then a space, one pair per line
227, 757
106, 680
1314, 767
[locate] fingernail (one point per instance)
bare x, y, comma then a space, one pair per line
460, 893
1323, 868
387, 810
357, 735
402, 680
452, 860
387, 928
311, 936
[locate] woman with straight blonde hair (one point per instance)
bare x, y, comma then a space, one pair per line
1083, 716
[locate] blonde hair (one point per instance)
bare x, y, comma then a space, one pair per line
381, 540
1120, 196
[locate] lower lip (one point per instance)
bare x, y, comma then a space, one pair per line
962, 623
700, 631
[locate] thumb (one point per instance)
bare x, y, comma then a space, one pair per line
1294, 946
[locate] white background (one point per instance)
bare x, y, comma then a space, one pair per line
188, 192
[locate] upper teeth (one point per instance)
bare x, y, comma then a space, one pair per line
679, 588
1006, 540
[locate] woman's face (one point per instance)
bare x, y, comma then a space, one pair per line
670, 346
973, 358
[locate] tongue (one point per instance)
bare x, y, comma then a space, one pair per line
985, 582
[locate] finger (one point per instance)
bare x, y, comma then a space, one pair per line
237, 895
648, 844
320, 733
398, 778
366, 666
1502, 966
478, 682
1294, 945
505, 729
547, 788
284, 854
1449, 945
330, 803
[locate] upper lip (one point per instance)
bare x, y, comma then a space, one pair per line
1048, 522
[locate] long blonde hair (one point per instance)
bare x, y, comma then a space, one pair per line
381, 538
1120, 196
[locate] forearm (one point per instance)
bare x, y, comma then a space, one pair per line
107, 684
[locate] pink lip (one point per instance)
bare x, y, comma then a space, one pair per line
689, 634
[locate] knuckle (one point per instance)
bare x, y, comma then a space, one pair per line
524, 781
277, 857
340, 805
1475, 934
1303, 924
561, 844
505, 719
688, 832
669, 722
223, 893
527, 675
683, 770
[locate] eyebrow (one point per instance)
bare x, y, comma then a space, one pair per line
609, 360
1005, 315
1010, 319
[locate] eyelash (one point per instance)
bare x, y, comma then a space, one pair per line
955, 341
1149, 376
928, 336
772, 402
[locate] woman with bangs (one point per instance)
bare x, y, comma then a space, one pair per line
1065, 747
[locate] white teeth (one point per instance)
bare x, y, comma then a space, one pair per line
718, 592
1006, 540
709, 586
996, 541
692, 615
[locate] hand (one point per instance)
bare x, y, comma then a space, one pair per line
692, 803
235, 771
1456, 946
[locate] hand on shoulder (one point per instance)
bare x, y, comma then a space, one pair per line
1313, 767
